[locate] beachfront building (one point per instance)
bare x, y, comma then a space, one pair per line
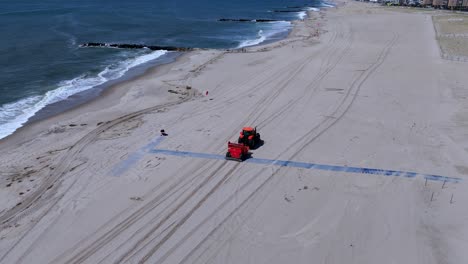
427, 2
440, 3
455, 4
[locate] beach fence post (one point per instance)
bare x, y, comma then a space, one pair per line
443, 185
425, 184
432, 196
451, 199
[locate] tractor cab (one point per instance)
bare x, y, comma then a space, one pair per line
249, 137
247, 132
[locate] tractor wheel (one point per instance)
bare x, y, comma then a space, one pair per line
239, 140
228, 154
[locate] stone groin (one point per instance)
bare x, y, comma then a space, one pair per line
246, 20
134, 46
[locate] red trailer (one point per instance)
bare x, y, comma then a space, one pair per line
237, 152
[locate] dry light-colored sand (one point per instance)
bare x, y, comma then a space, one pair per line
370, 90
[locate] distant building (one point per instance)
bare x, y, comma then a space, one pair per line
440, 3
455, 3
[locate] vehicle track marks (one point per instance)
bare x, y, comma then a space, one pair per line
308, 138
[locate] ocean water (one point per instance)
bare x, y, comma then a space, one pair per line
42, 62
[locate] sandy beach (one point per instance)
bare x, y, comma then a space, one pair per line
364, 120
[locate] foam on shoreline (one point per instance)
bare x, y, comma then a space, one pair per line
273, 29
15, 115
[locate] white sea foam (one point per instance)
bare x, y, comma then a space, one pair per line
14, 115
313, 9
270, 29
251, 42
327, 4
301, 15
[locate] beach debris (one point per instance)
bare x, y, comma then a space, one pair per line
56, 129
136, 198
288, 199
188, 87
163, 133
177, 92
206, 93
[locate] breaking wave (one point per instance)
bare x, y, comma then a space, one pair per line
16, 114
268, 32
301, 15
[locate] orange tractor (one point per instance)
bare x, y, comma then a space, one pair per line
248, 139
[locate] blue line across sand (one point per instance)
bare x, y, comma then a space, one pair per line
133, 158
305, 165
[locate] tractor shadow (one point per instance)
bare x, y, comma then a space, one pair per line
247, 156
260, 143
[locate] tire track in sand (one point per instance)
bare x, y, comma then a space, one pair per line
265, 103
308, 138
49, 186
292, 73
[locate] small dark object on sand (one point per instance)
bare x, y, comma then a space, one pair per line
163, 133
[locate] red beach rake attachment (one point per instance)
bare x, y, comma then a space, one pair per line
237, 152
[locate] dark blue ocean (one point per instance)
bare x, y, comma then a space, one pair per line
42, 62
